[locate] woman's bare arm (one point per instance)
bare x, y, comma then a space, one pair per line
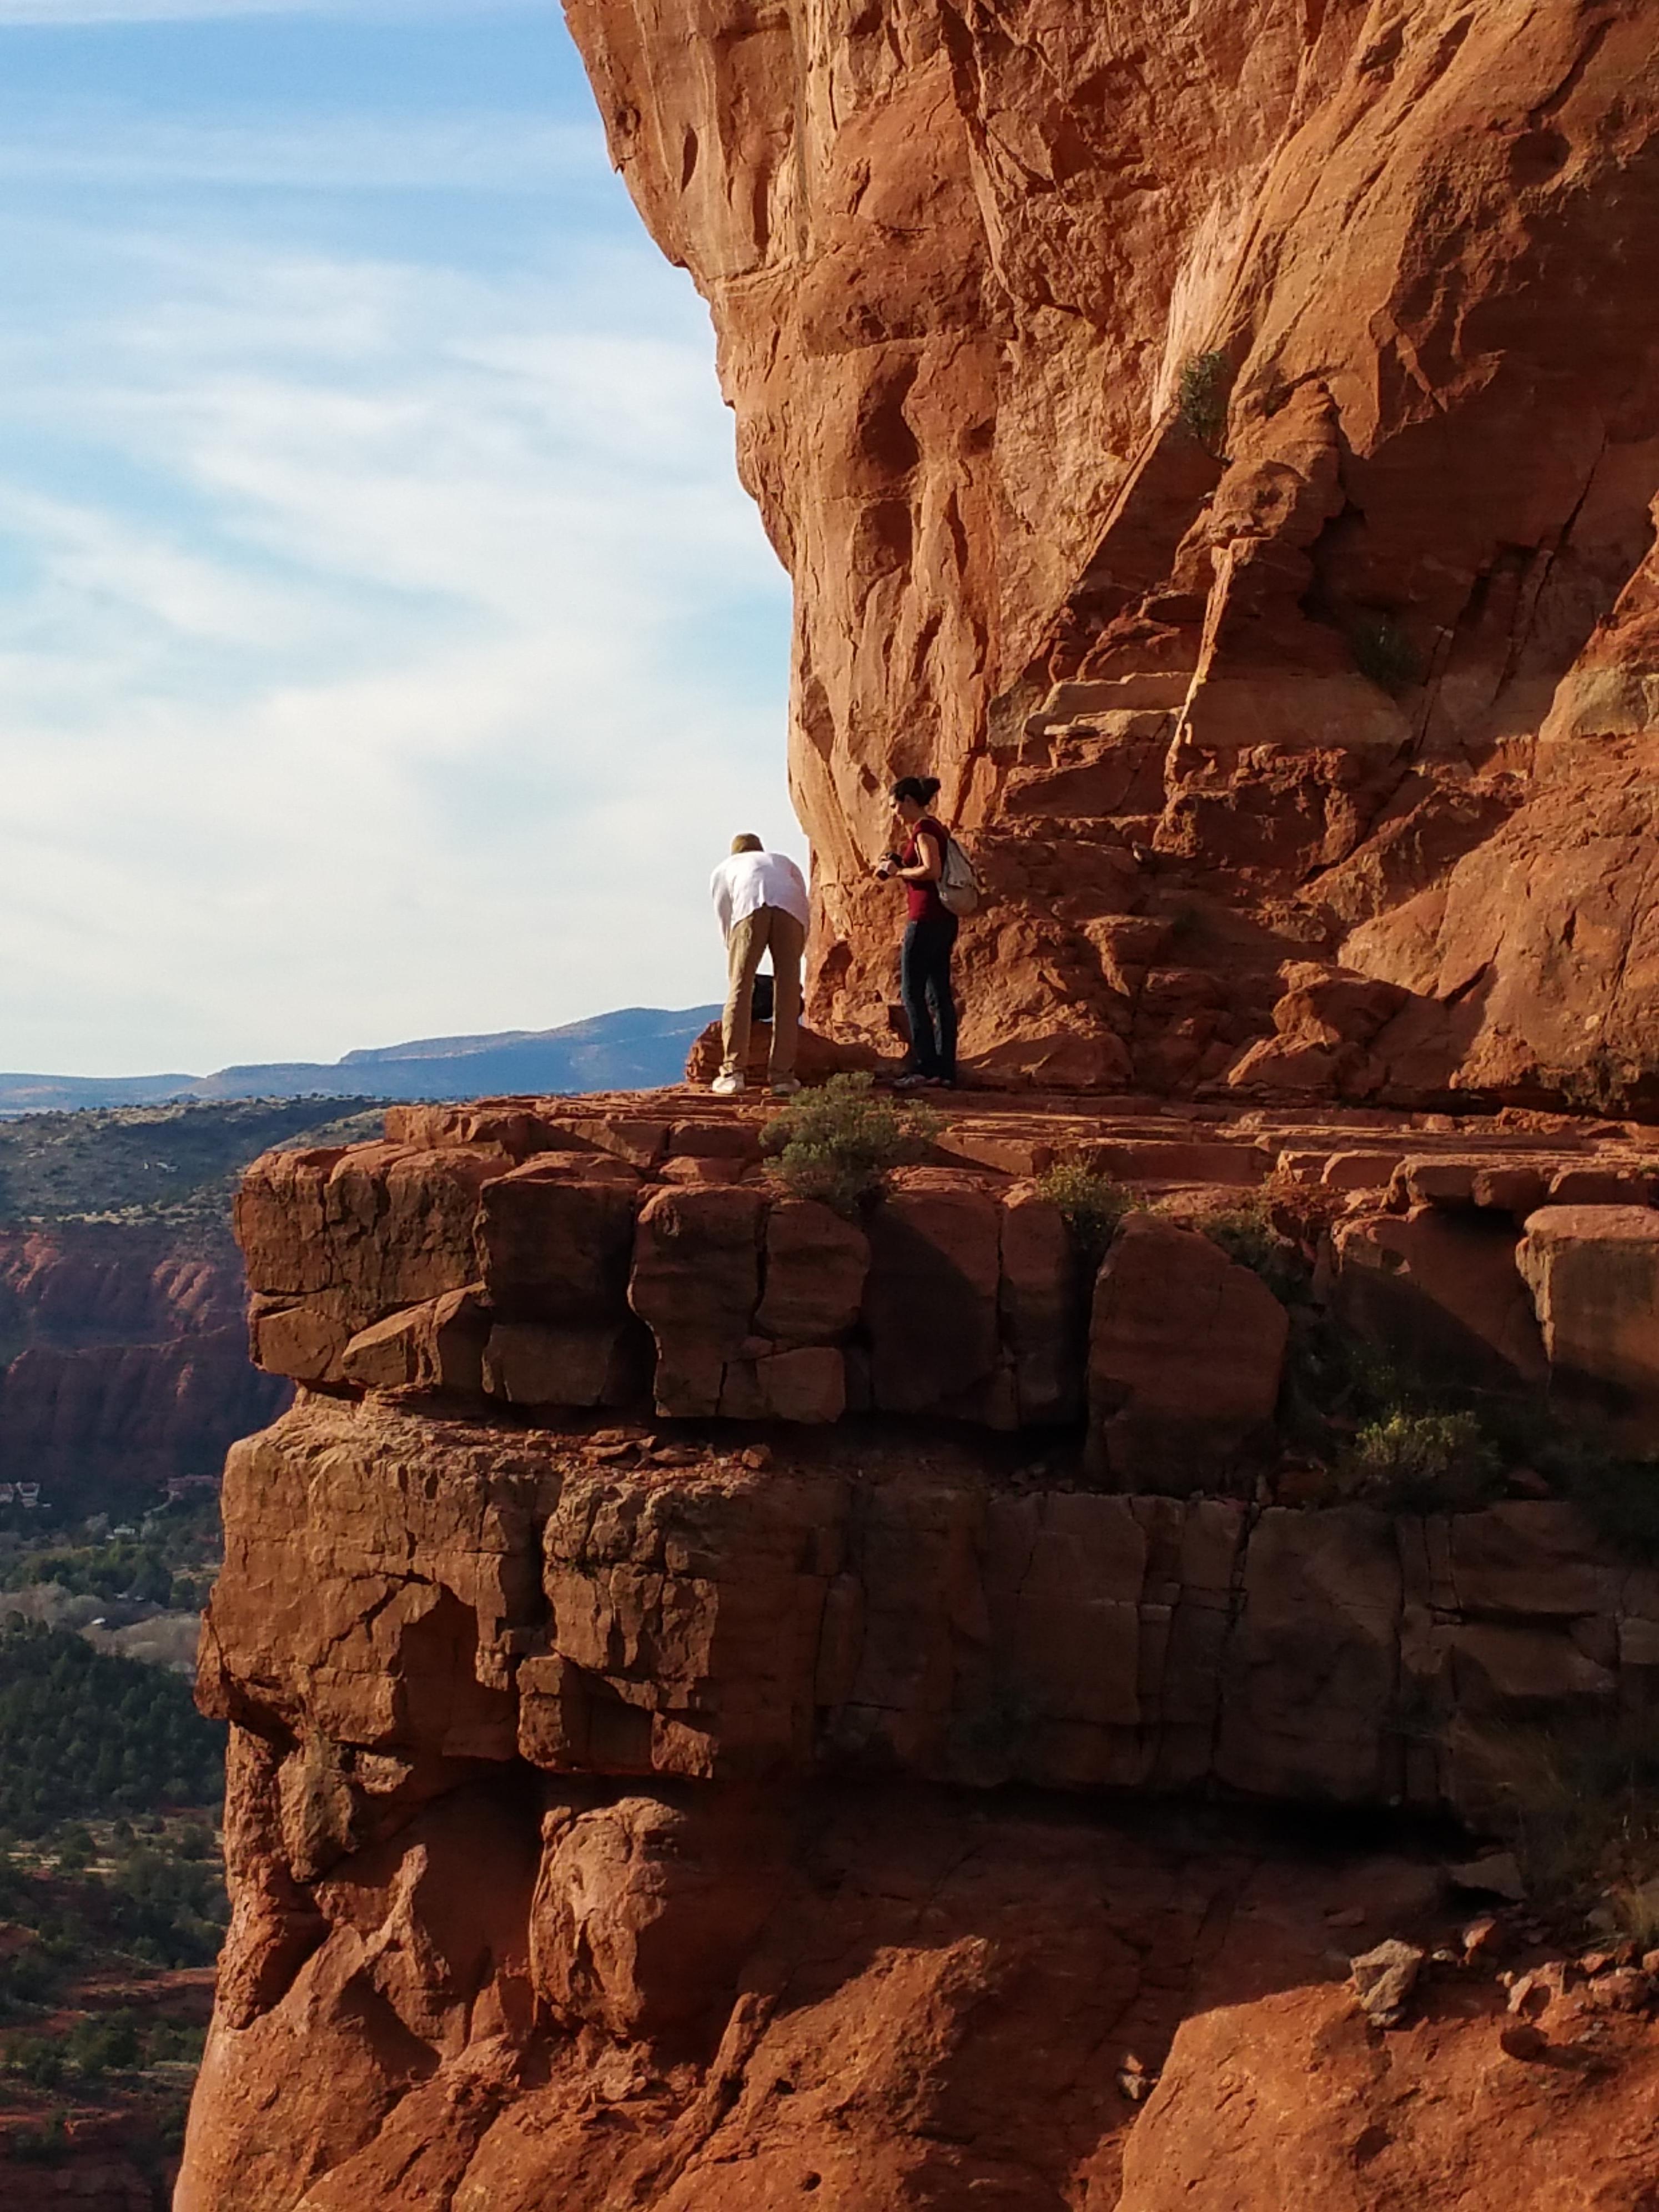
931, 866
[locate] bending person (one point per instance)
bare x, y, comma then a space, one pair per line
930, 936
761, 900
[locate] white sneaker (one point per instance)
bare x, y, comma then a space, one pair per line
726, 1086
786, 1087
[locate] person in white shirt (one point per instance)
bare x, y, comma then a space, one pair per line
761, 900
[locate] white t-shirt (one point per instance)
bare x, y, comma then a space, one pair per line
749, 880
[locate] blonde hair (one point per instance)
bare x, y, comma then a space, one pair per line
747, 843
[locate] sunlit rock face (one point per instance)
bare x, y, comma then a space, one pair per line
1220, 441
731, 1704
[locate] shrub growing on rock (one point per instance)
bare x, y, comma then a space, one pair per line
841, 1142
1201, 396
1091, 1206
1384, 654
1579, 1802
1619, 1496
1246, 1234
1421, 1463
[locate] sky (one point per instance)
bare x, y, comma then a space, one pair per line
386, 647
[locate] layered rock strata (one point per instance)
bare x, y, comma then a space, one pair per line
1224, 449
416, 1593
635, 1255
620, 1839
668, 1810
122, 1359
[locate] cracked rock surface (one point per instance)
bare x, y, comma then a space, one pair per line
714, 1834
1220, 443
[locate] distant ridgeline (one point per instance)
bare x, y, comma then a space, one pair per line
636, 1048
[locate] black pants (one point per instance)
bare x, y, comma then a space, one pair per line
925, 987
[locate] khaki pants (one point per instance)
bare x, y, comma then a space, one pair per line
769, 929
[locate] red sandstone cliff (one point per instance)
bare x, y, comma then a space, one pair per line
635, 1809
126, 1358
1223, 439
1323, 666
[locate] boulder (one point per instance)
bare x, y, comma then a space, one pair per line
527, 1363
1309, 1684
930, 1303
816, 1266
1186, 1351
1440, 1293
1384, 1977
1594, 1274
817, 1057
645, 1908
387, 1224
1042, 1300
807, 1385
1324, 1023
684, 1625
556, 1239
696, 1284
305, 1338
436, 1345
335, 1241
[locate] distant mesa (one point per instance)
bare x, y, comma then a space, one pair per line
634, 1048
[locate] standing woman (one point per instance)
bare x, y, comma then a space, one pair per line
930, 936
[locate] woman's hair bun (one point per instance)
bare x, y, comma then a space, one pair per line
922, 789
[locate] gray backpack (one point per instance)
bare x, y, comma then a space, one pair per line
958, 886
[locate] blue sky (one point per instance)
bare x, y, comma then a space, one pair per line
387, 648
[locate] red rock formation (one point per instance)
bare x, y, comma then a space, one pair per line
126, 1358
635, 1255
622, 1838
1224, 449
631, 1816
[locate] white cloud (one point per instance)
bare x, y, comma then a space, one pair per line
395, 661
451, 153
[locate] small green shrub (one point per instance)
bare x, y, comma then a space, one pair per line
97, 2047
47, 2145
1420, 1463
1201, 396
1091, 1206
1579, 1801
1384, 654
841, 1142
1619, 1496
1246, 1234
37, 2060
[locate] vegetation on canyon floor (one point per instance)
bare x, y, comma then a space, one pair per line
175, 1163
108, 1931
167, 1558
113, 1903
1247, 1234
1579, 1802
1413, 1462
86, 1732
